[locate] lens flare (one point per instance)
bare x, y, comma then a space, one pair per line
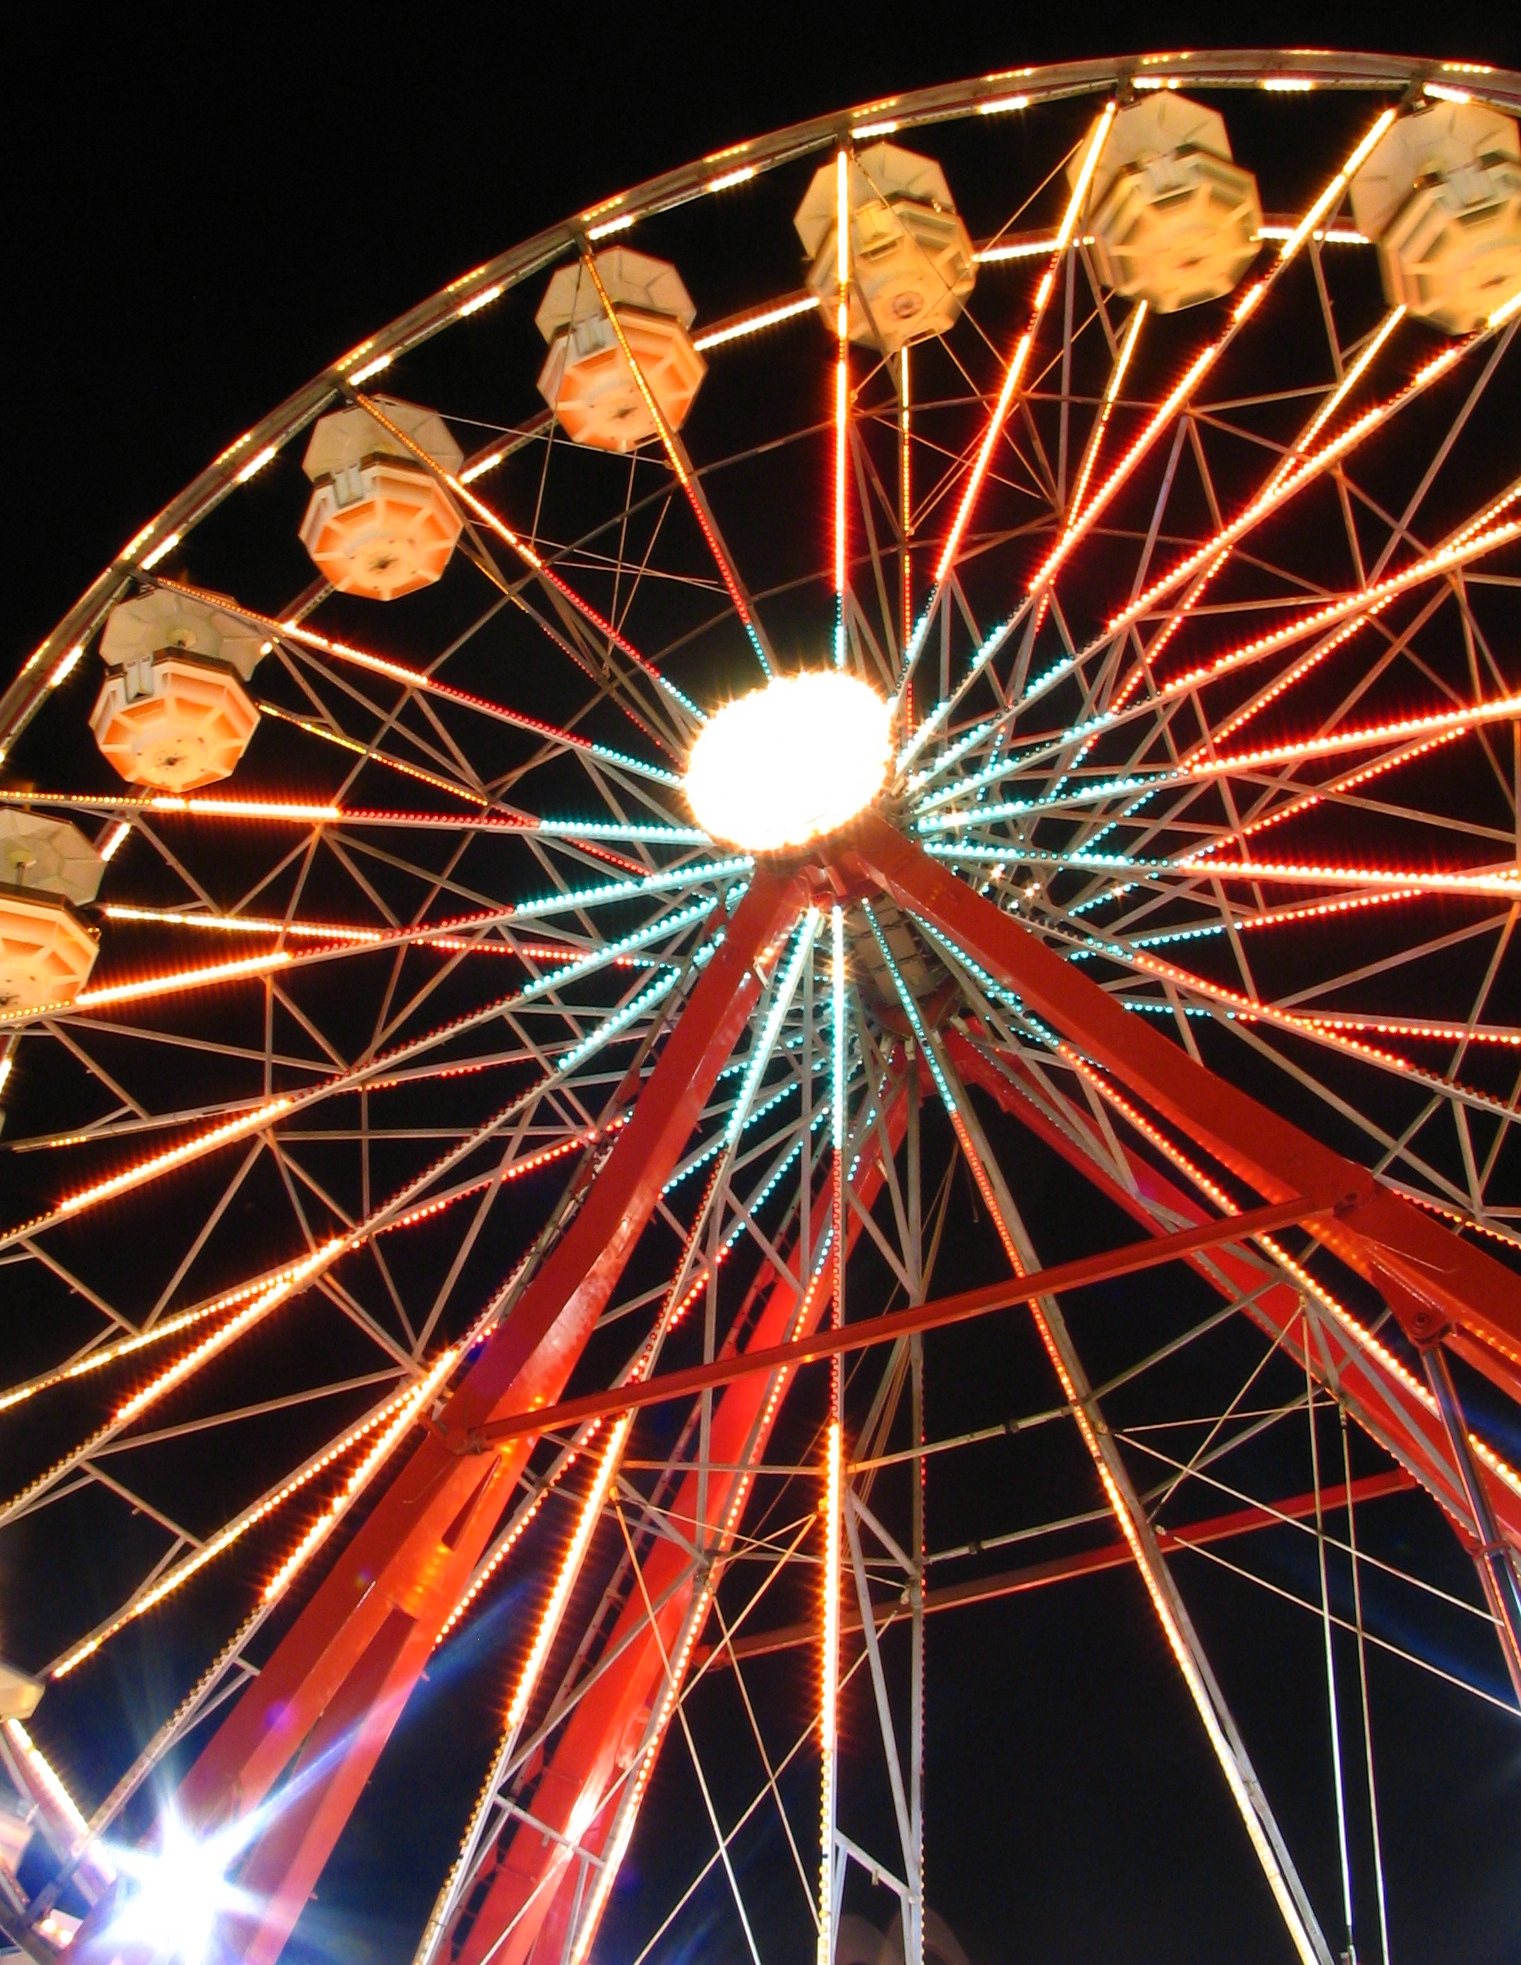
789, 762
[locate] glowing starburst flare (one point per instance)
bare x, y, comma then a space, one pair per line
790, 762
176, 1891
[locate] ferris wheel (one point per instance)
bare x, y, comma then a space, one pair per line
816, 880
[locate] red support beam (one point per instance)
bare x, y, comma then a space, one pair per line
1433, 1281
1388, 1406
887, 1329
327, 1699
531, 1892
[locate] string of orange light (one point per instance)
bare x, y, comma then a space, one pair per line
1129, 462
1503, 882
1015, 367
1313, 657
372, 755
175, 1578
1343, 782
530, 557
841, 391
358, 1075
410, 678
125, 1347
680, 464
172, 1375
1361, 604
276, 1290
1286, 464
1243, 310
1410, 736
176, 981
575, 831
411, 1407
1306, 470
1398, 731
1106, 410
1363, 1338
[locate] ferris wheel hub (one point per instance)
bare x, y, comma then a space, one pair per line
790, 762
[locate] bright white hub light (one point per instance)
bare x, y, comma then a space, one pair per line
790, 762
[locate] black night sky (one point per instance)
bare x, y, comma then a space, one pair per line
201, 208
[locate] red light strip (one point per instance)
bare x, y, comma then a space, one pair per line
906, 520
676, 455
328, 735
1021, 354
1245, 307
524, 551
182, 1572
1369, 600
841, 390
360, 658
1101, 423
1399, 730
1280, 471
341, 933
1306, 469
1502, 882
1308, 799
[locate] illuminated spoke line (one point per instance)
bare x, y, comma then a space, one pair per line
996, 419
1161, 420
1105, 411
1376, 597
1245, 1010
1014, 367
370, 753
356, 1077
1407, 739
90, 1360
1048, 746
686, 477
279, 1289
151, 1594
542, 567
1305, 470
568, 963
1485, 882
1287, 465
418, 680
441, 745
1243, 310
276, 812
1347, 612
199, 1354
